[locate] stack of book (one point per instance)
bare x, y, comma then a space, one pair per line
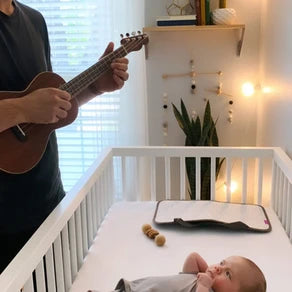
203, 12
176, 20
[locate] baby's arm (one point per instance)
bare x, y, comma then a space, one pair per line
194, 263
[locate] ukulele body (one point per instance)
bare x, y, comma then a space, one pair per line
19, 155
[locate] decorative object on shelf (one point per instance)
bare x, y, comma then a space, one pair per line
199, 135
179, 7
223, 15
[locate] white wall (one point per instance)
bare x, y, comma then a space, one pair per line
275, 110
171, 52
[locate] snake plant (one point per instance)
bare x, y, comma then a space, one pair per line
198, 134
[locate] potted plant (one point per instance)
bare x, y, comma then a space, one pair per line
198, 134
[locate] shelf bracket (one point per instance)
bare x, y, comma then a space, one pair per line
240, 42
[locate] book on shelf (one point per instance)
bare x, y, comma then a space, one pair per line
203, 12
176, 20
198, 11
208, 12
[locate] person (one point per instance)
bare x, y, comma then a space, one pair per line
233, 274
27, 199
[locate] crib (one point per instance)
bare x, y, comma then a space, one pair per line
94, 236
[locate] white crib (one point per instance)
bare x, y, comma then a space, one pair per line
56, 252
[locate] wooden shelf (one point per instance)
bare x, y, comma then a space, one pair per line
240, 27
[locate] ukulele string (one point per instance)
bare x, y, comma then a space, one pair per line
131, 45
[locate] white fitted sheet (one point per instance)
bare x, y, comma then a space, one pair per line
122, 250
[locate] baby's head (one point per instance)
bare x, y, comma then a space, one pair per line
237, 274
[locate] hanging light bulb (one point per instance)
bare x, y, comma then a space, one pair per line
248, 89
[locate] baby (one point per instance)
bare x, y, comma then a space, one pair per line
233, 274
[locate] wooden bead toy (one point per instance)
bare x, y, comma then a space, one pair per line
160, 240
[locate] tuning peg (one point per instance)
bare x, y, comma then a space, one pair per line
127, 34
133, 33
121, 35
139, 32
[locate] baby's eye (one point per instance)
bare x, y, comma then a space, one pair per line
228, 274
221, 263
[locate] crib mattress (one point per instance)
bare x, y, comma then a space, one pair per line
120, 249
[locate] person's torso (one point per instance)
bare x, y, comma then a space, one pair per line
26, 199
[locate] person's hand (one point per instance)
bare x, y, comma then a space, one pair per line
205, 279
115, 78
46, 105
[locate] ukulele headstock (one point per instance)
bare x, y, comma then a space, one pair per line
134, 42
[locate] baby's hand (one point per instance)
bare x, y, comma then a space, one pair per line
205, 280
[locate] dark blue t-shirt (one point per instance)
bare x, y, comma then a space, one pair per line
26, 199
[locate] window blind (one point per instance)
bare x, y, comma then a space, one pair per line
79, 31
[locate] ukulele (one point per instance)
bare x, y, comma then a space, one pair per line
22, 146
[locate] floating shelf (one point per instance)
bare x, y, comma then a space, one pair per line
240, 27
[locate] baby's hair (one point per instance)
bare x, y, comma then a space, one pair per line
259, 284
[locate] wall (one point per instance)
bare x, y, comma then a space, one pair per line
275, 108
171, 52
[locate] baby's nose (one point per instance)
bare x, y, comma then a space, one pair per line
218, 269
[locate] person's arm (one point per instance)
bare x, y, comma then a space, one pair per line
194, 263
42, 106
110, 81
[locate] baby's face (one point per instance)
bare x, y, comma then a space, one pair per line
228, 274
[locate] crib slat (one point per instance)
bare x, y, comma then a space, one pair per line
73, 248
79, 237
108, 186
111, 183
84, 228
99, 196
88, 203
228, 179
182, 167
97, 205
66, 258
260, 181
124, 181
102, 196
273, 189
94, 215
244, 181
153, 178
280, 198
167, 177
137, 181
212, 177
277, 187
50, 270
40, 277
284, 202
28, 287
198, 178
59, 264
289, 209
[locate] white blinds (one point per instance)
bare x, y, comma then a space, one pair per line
79, 31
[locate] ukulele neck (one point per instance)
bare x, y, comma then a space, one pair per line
87, 77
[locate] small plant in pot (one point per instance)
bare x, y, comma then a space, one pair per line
199, 134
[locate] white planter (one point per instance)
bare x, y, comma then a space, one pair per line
224, 16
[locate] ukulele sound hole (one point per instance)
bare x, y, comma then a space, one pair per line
19, 133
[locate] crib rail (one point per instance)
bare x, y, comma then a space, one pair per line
51, 259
